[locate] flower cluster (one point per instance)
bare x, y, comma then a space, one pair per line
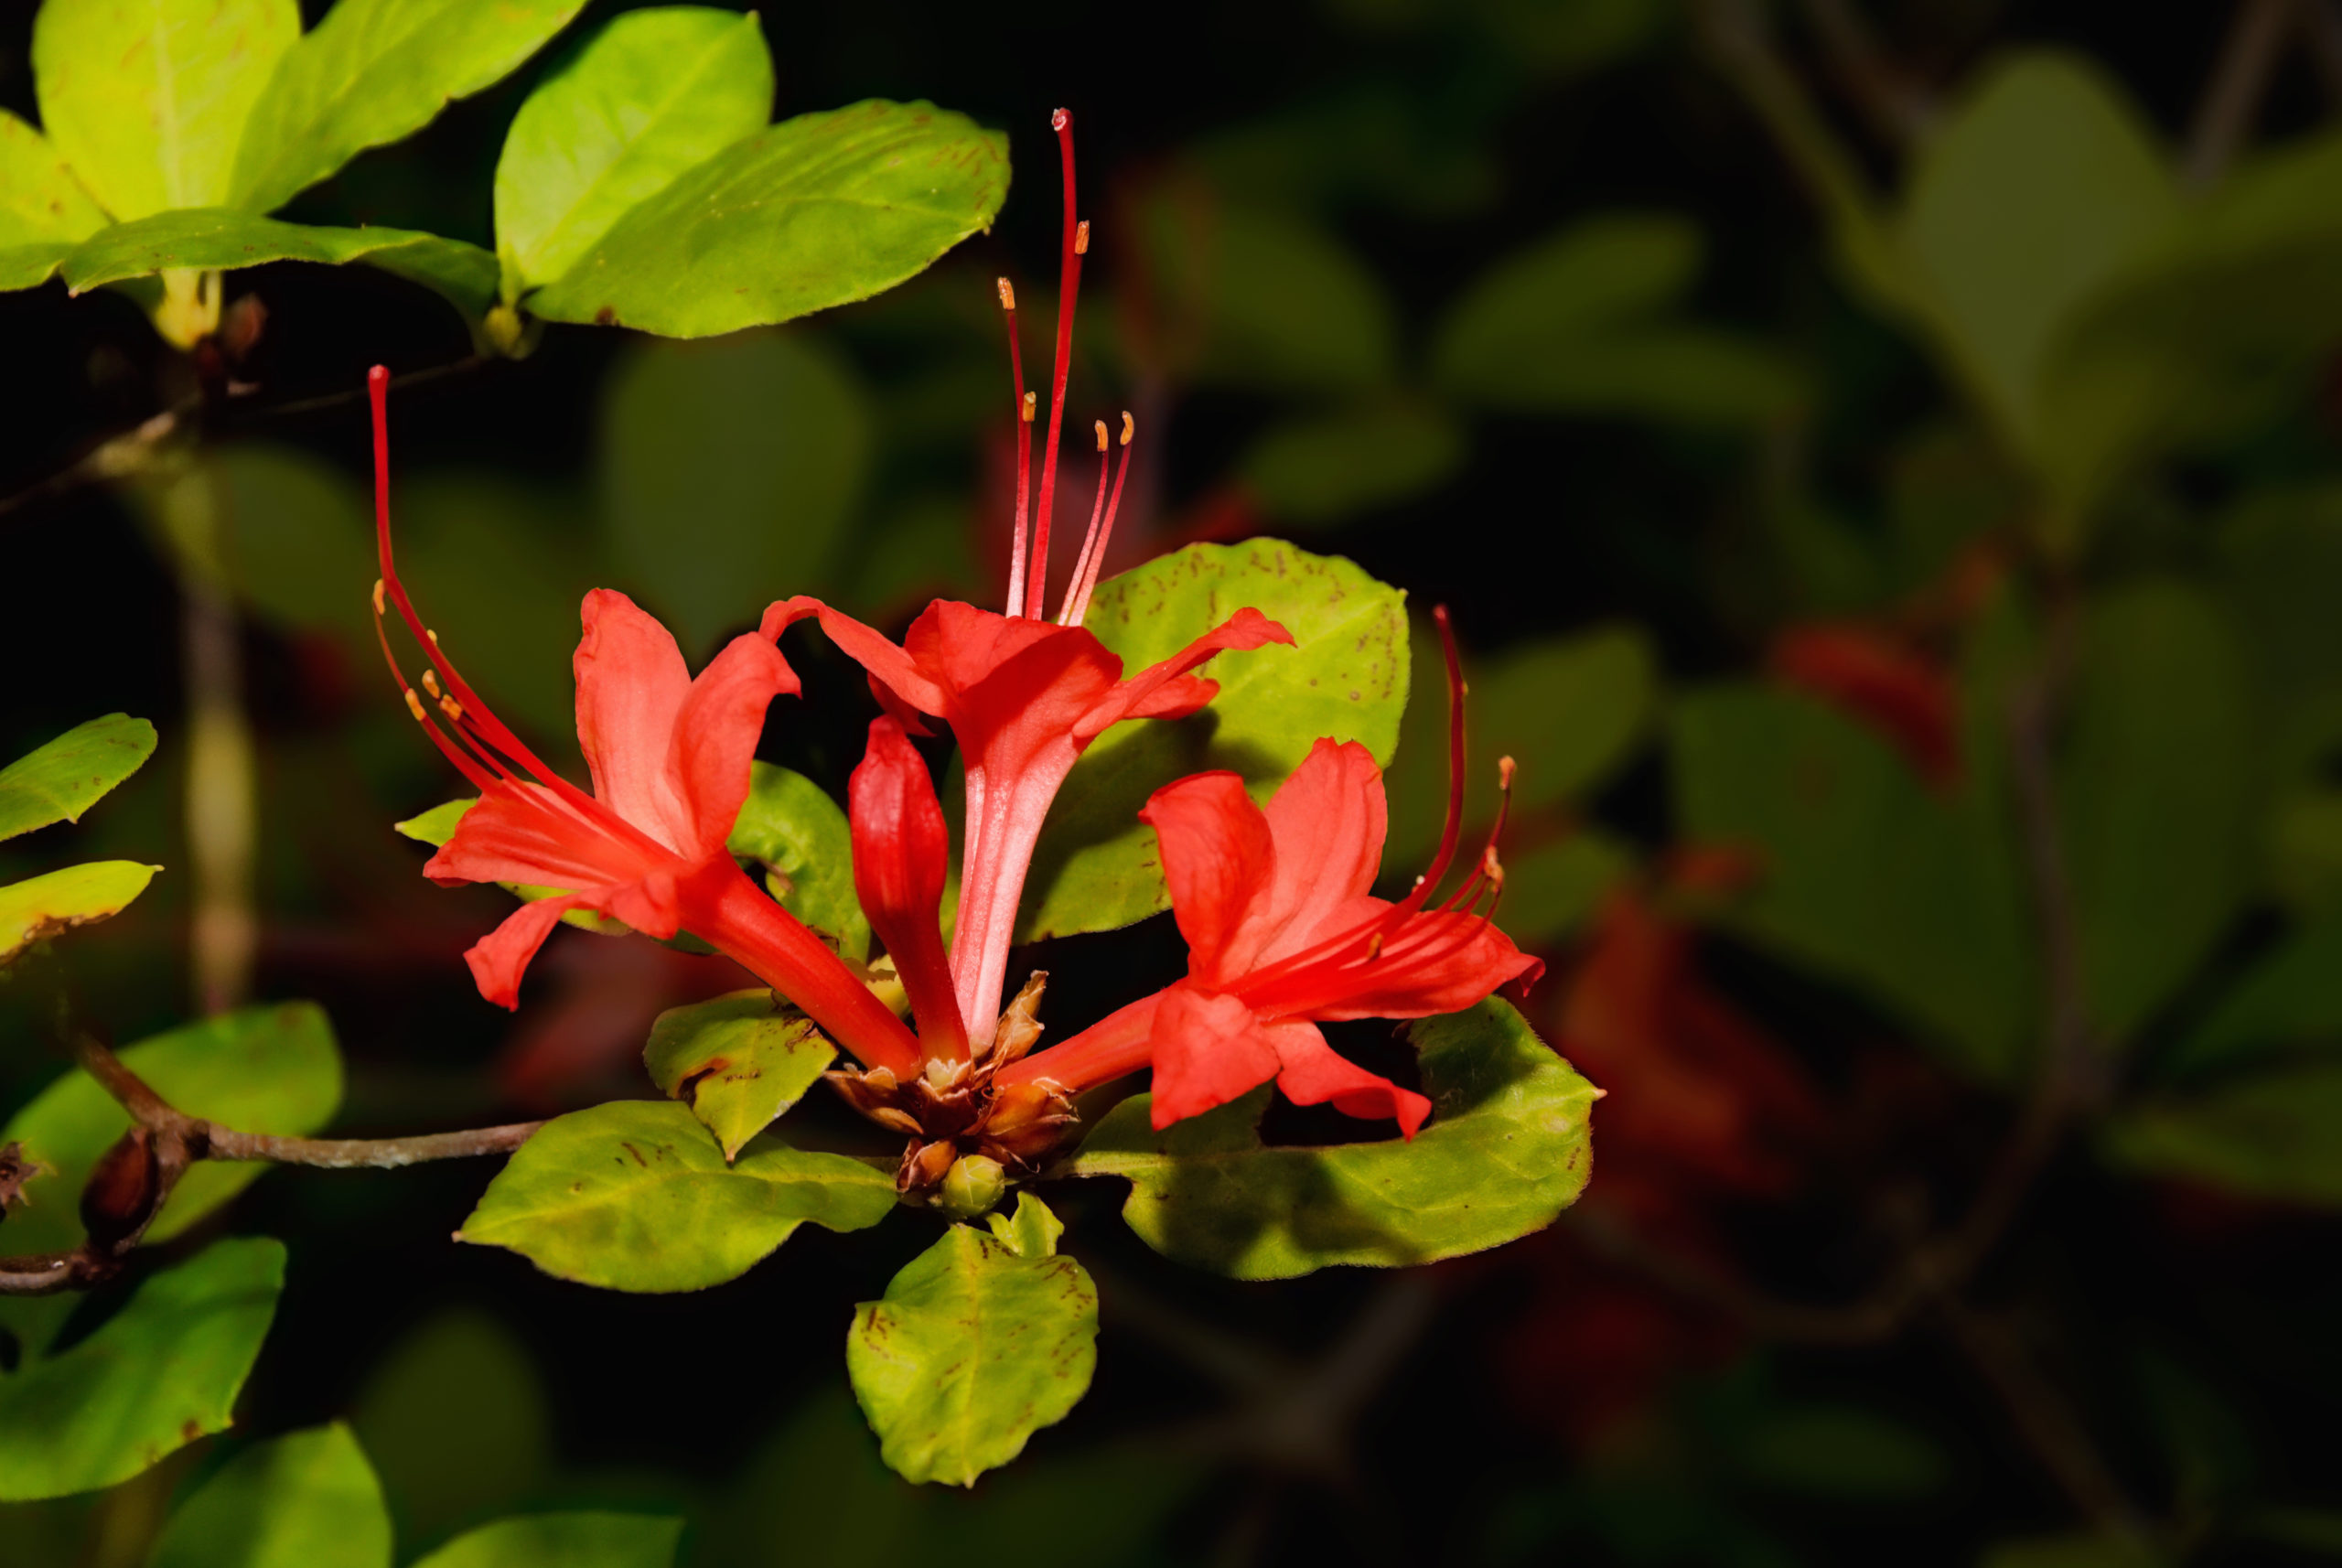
1275, 903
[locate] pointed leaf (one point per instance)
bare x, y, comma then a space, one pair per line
64, 778
307, 1499
1505, 1152
801, 835
974, 1347
373, 71
147, 99
564, 1541
1346, 677
2291, 1000
2277, 1135
217, 237
162, 1372
811, 212
634, 1195
650, 95
738, 1061
260, 1070
44, 211
41, 907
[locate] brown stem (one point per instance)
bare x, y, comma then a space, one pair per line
2239, 82
2046, 1421
181, 1140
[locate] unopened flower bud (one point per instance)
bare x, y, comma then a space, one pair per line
120, 1196
972, 1186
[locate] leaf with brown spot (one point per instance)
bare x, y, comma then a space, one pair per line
738, 1061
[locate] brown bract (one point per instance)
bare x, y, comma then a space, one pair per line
954, 1108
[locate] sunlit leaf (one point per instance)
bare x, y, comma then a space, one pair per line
738, 1061
728, 470
1325, 468
636, 1196
372, 72
812, 213
41, 907
65, 777
271, 1068
147, 99
978, 1342
305, 1500
218, 237
1344, 677
564, 1541
653, 94
160, 1373
1506, 1151
44, 211
791, 826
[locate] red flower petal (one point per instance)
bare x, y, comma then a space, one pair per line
1208, 1050
901, 854
1219, 860
716, 735
1314, 1073
631, 682
498, 959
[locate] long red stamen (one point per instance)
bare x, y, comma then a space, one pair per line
1076, 240
475, 723
1023, 452
1090, 539
1094, 561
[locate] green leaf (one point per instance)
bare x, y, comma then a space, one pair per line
160, 1373
218, 237
2036, 189
65, 777
1324, 468
1553, 889
728, 471
791, 826
147, 99
305, 1500
40, 907
455, 1419
1583, 322
372, 73
738, 1061
271, 1068
634, 1195
1864, 875
2277, 1135
1344, 677
43, 208
2291, 998
1843, 1451
1032, 1232
564, 1541
651, 94
978, 1344
1506, 1151
1258, 297
811, 212
2154, 797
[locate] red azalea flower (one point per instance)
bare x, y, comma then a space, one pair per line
669, 757
1024, 696
1283, 933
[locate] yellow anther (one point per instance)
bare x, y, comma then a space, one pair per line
1102, 435
432, 635
453, 709
1374, 947
1081, 238
431, 682
1128, 429
414, 705
1032, 401
378, 596
1505, 766
1007, 296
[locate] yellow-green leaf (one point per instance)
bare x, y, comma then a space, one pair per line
43, 906
738, 1061
63, 779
